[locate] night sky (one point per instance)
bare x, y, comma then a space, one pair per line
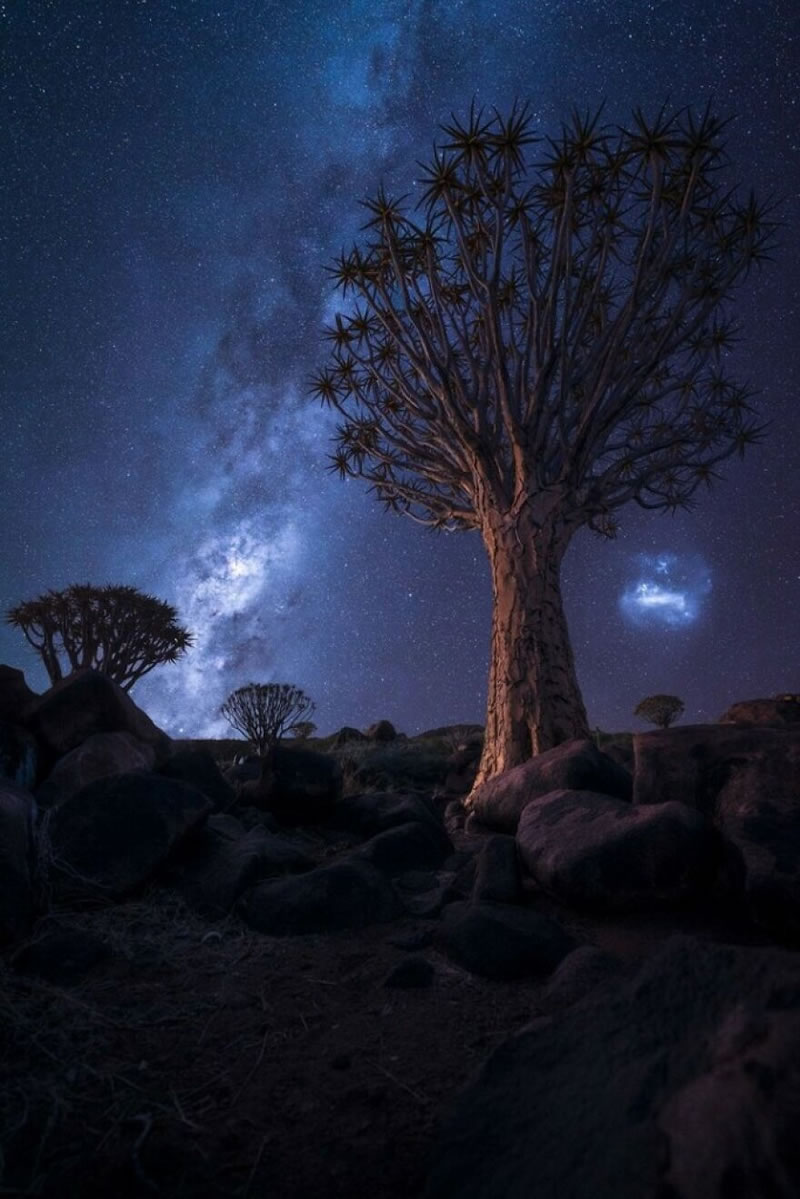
175, 178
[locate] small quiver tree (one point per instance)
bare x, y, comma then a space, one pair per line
659, 709
117, 630
263, 712
302, 729
543, 341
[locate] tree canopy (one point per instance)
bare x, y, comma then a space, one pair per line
115, 629
263, 712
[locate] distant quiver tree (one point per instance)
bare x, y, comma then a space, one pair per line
541, 340
115, 629
659, 709
263, 712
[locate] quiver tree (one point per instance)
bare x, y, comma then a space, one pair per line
263, 712
116, 630
659, 709
541, 340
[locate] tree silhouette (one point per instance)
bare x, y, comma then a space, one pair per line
116, 630
263, 712
659, 709
538, 343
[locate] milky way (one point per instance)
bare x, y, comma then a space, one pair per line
176, 177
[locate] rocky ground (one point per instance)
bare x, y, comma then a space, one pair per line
202, 1058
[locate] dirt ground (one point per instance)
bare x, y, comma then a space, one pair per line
206, 1059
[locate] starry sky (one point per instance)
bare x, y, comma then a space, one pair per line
174, 177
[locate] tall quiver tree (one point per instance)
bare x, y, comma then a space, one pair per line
541, 340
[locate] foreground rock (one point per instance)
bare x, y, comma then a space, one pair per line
85, 704
298, 786
682, 1083
198, 767
19, 755
107, 840
347, 894
781, 712
15, 694
576, 765
17, 898
591, 851
99, 756
498, 940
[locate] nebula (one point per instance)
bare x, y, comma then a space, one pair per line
665, 590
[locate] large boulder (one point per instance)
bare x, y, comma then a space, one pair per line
692, 762
781, 712
298, 786
381, 730
19, 756
15, 694
85, 704
97, 757
107, 840
498, 940
682, 1082
590, 850
346, 894
198, 767
416, 845
347, 735
216, 868
366, 815
497, 873
17, 861
577, 765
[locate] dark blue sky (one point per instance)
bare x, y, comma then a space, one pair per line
175, 178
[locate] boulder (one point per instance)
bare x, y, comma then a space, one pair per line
683, 1081
107, 840
346, 735
61, 955
15, 694
382, 730
781, 712
462, 766
497, 940
346, 894
497, 873
366, 815
88, 703
298, 786
417, 845
19, 757
577, 765
198, 767
412, 972
592, 851
692, 762
218, 868
578, 975
17, 861
97, 757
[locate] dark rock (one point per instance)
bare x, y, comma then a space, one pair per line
111, 837
455, 815
692, 762
412, 846
366, 815
575, 765
19, 757
593, 851
226, 825
382, 730
346, 735
197, 766
298, 786
411, 972
97, 757
781, 712
578, 975
15, 694
61, 955
17, 861
502, 941
420, 939
462, 766
497, 877
88, 703
682, 1083
216, 869
348, 894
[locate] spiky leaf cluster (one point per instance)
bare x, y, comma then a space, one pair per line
263, 712
115, 629
552, 313
659, 709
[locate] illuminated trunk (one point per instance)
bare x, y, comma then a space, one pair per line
534, 700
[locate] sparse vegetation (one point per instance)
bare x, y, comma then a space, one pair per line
659, 709
263, 712
117, 630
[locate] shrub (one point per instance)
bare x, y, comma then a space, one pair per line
659, 709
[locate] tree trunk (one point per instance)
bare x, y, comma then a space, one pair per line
534, 699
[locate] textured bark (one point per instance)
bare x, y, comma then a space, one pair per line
534, 700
